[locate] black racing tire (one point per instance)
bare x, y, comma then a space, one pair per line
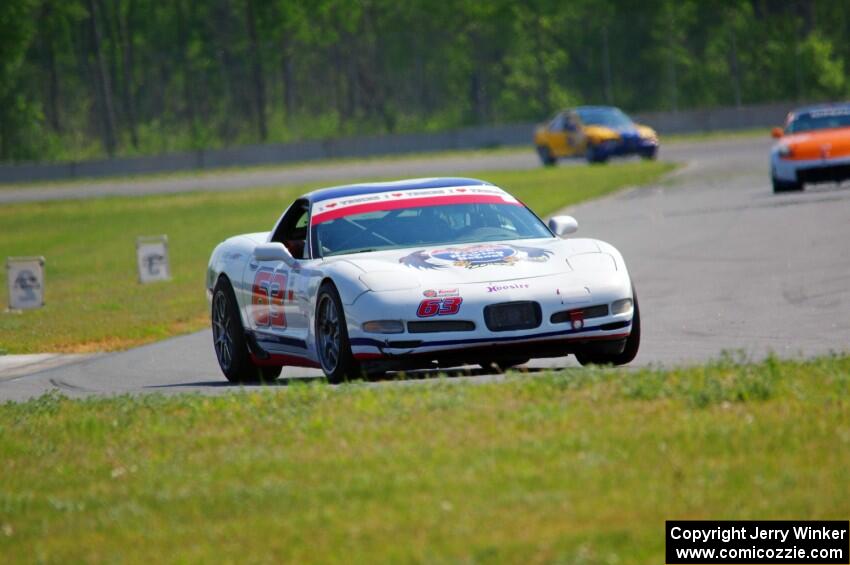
546, 156
593, 155
271, 373
650, 155
590, 357
504, 364
785, 186
332, 345
231, 347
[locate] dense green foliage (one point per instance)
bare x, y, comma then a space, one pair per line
582, 466
81, 316
80, 78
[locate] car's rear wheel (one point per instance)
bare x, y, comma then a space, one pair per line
594, 154
332, 345
595, 356
650, 155
786, 186
231, 348
546, 156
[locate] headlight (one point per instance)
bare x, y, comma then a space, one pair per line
593, 262
621, 306
785, 151
384, 327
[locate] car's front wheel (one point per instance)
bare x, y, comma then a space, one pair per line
231, 348
786, 186
595, 154
332, 345
596, 356
650, 155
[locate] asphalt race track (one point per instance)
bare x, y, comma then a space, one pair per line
720, 263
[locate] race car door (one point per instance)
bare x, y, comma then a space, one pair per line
575, 138
277, 324
557, 136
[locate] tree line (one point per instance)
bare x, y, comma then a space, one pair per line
87, 78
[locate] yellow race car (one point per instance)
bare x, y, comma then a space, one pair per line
595, 133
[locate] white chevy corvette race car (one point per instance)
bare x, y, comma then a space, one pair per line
369, 278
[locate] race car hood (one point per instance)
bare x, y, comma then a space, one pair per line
601, 133
482, 262
818, 144
646, 132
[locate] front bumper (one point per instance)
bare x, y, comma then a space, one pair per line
627, 146
810, 170
556, 334
451, 353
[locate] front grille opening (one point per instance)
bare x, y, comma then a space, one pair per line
434, 326
590, 312
614, 326
508, 316
835, 173
409, 344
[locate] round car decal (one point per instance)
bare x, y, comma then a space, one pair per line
474, 256
477, 255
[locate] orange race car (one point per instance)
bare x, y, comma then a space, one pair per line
813, 147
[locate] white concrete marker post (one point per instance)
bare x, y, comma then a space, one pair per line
26, 282
152, 258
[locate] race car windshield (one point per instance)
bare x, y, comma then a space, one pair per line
607, 117
827, 118
417, 226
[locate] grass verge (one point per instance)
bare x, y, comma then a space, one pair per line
754, 133
671, 139
579, 466
94, 302
280, 167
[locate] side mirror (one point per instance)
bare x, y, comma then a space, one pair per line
776, 133
272, 251
563, 225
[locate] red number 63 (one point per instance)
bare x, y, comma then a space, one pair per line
267, 294
439, 306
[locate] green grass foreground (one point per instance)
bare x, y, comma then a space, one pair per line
93, 299
579, 466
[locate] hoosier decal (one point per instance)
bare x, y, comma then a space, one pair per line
508, 286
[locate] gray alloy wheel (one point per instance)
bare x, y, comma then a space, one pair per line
222, 332
332, 346
328, 335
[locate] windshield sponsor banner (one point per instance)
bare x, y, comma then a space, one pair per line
828, 112
328, 210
